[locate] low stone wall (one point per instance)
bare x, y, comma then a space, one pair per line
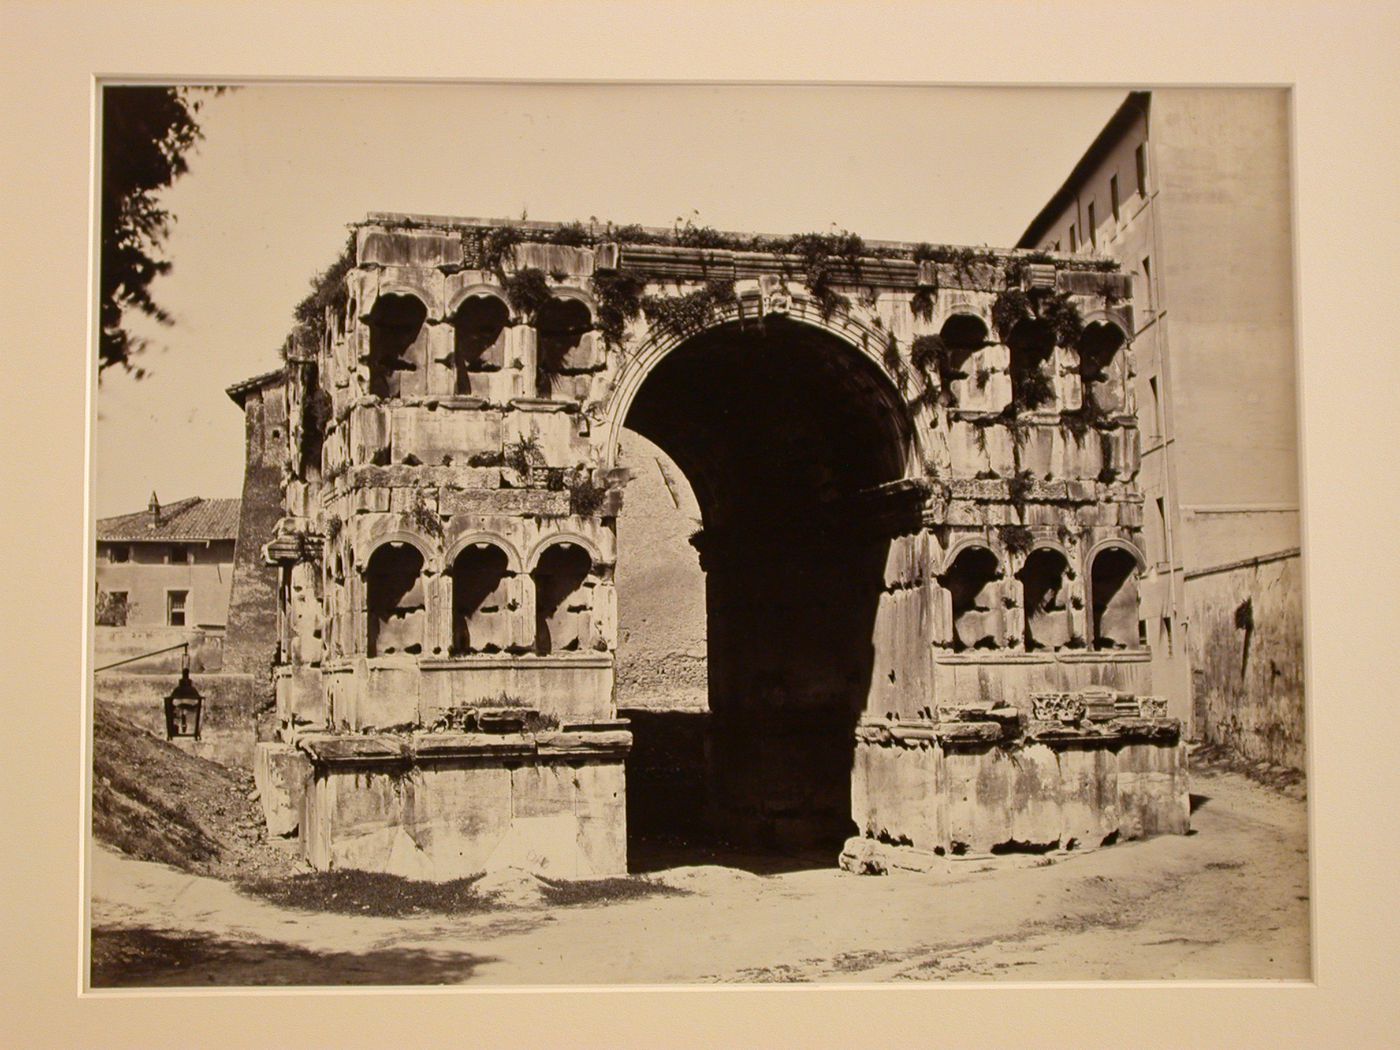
111, 644
1247, 660
439, 806
231, 703
925, 792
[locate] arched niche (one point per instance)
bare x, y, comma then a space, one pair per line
561, 578
973, 581
1102, 367
1031, 344
1113, 590
560, 325
395, 324
1044, 578
394, 606
479, 327
480, 599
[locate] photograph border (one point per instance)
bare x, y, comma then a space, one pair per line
51, 54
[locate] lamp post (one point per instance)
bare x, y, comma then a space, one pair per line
184, 706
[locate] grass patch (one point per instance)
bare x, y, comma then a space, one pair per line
393, 896
568, 893
370, 893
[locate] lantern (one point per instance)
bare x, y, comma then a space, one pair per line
184, 705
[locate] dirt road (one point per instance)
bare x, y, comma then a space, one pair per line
1228, 901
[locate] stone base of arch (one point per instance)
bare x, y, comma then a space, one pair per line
927, 794
442, 806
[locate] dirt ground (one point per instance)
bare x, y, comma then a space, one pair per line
1228, 901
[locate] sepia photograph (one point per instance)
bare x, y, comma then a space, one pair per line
694, 535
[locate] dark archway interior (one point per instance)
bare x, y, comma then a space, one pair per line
774, 429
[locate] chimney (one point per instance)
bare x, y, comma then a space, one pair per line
154, 508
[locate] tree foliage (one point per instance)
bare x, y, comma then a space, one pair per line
147, 132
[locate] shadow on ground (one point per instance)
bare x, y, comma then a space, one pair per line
145, 958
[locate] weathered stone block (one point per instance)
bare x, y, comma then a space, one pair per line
405, 247
280, 774
539, 502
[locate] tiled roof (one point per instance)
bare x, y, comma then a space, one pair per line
239, 391
186, 519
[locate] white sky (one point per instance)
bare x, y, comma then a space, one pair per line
283, 169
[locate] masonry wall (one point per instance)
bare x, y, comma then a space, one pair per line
1247, 656
660, 588
251, 641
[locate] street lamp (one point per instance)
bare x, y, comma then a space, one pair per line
184, 705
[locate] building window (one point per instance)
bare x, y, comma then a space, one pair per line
1162, 528
1147, 282
1140, 156
175, 607
1156, 406
1073, 239
121, 553
1093, 227
1113, 195
178, 554
112, 608
1167, 632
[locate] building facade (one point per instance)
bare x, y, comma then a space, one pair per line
163, 577
916, 472
1188, 190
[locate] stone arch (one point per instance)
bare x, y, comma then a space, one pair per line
1113, 570
595, 556
964, 328
425, 547
481, 573
858, 335
495, 539
480, 290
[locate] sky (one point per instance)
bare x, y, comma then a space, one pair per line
283, 169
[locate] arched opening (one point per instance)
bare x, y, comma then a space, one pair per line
478, 341
1045, 598
1101, 367
962, 335
395, 324
562, 599
774, 429
1114, 599
973, 582
1032, 347
394, 600
560, 325
480, 604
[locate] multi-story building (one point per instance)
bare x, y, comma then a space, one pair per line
163, 578
1188, 189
